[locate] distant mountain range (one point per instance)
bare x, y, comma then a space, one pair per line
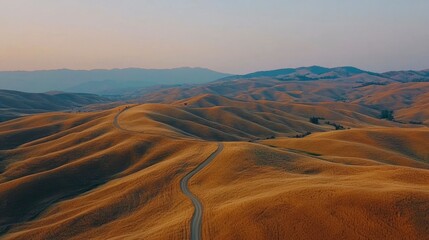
115, 81
321, 73
131, 80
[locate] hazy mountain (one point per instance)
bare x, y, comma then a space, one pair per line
14, 104
103, 81
305, 73
409, 76
320, 73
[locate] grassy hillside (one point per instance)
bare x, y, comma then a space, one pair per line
302, 159
14, 104
103, 175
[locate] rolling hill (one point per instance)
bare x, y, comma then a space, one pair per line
116, 173
408, 98
252, 157
15, 104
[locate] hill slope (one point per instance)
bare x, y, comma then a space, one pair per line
14, 104
213, 117
77, 176
408, 98
119, 173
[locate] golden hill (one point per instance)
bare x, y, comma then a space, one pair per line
212, 117
259, 192
116, 173
409, 100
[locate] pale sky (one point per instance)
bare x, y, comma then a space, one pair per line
235, 36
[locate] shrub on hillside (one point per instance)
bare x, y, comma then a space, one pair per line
336, 125
387, 114
302, 135
314, 120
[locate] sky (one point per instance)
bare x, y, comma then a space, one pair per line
238, 36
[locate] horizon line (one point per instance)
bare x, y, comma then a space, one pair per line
188, 67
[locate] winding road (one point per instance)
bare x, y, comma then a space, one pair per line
196, 221
198, 213
116, 121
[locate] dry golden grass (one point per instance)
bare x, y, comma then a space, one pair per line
90, 180
409, 100
219, 118
76, 176
258, 192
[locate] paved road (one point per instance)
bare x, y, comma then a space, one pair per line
196, 221
198, 213
116, 121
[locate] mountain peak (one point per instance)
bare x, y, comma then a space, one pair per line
349, 69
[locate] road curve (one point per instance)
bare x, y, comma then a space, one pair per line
198, 212
116, 120
196, 221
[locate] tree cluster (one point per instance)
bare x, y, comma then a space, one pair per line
387, 114
315, 120
302, 135
335, 125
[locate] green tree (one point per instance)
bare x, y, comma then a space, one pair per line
387, 114
314, 120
